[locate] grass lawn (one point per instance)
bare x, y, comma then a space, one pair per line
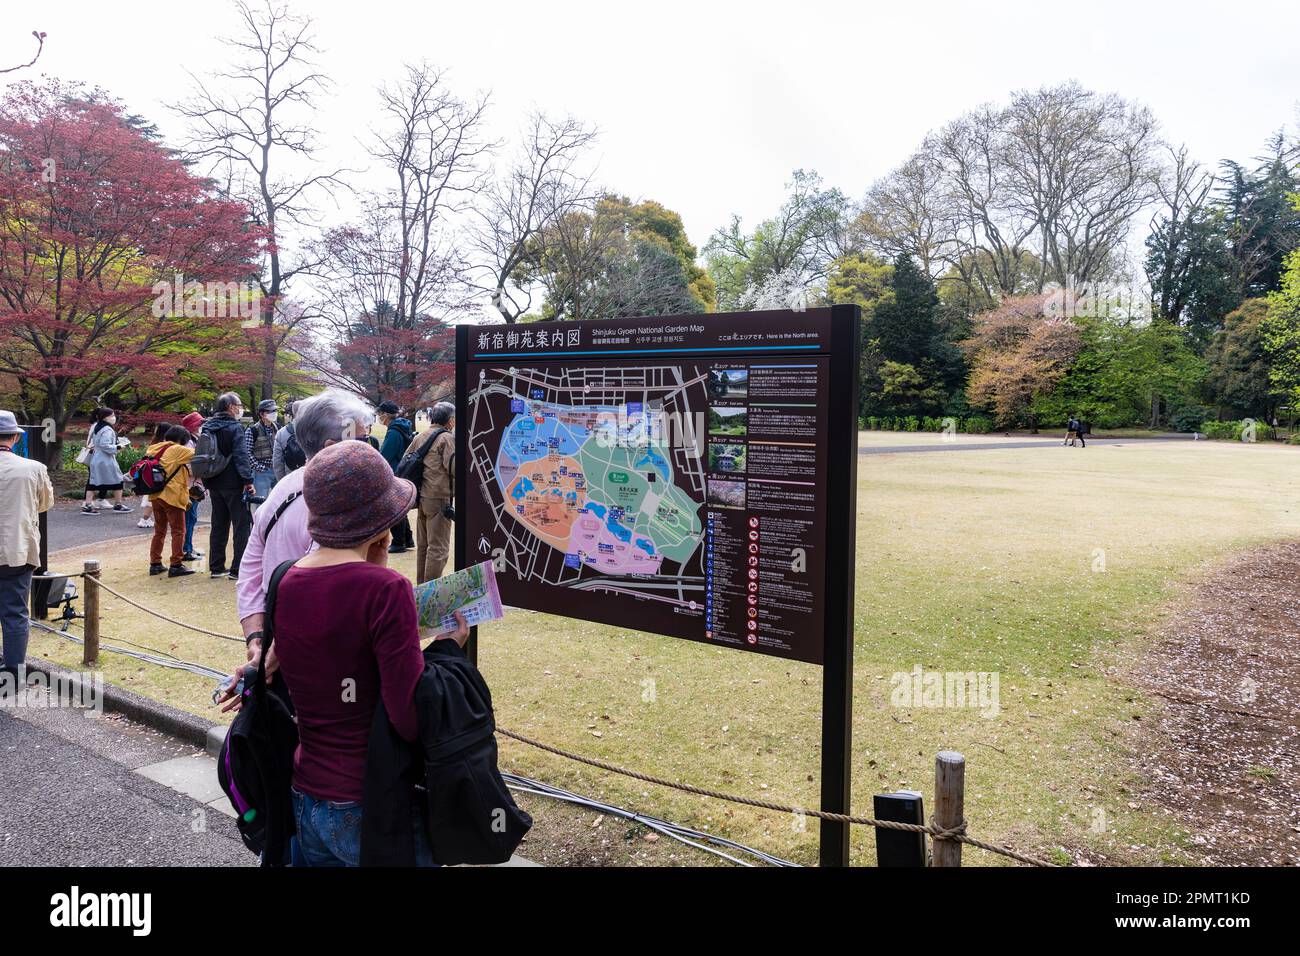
1048, 566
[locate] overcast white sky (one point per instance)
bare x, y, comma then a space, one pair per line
707, 106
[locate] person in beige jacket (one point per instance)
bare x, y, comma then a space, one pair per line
25, 491
433, 527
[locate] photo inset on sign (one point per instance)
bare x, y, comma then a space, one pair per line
731, 384
728, 422
726, 457
726, 494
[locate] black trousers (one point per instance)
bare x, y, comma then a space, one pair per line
228, 510
403, 537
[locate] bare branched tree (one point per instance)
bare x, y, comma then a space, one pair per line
251, 126
1009, 199
1082, 165
397, 278
433, 150
545, 182
905, 214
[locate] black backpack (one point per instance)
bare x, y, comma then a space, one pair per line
411, 467
471, 816
448, 778
209, 460
255, 766
293, 455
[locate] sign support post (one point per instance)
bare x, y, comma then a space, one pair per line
460, 540
837, 669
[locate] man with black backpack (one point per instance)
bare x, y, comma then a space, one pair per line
221, 461
430, 465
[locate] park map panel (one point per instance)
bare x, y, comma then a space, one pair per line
661, 474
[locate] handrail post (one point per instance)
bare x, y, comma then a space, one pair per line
90, 650
949, 804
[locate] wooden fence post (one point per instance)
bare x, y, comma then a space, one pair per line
949, 804
90, 650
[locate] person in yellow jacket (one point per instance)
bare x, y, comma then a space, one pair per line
169, 505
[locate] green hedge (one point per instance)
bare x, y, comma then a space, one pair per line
1231, 431
971, 425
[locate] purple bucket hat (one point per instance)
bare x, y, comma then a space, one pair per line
352, 495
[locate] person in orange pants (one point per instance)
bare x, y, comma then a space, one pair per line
169, 504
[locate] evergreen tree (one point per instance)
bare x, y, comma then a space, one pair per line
1262, 223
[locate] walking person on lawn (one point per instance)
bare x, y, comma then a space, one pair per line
170, 504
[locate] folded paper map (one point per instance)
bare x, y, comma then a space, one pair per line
472, 591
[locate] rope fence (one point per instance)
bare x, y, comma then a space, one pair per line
940, 834
957, 833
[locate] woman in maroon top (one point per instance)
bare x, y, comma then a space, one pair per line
346, 636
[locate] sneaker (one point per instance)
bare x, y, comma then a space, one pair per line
394, 549
144, 523
233, 575
122, 509
218, 572
191, 555
90, 510
179, 571
101, 503
156, 569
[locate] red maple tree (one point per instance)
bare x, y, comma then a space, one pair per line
94, 214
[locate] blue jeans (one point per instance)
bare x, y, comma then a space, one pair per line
329, 834
191, 522
263, 482
15, 586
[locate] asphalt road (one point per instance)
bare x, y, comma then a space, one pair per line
70, 796
69, 528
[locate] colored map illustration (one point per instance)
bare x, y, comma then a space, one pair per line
595, 476
586, 480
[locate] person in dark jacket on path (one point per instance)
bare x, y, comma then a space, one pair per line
344, 619
396, 440
227, 489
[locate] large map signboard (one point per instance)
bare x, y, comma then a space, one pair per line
660, 474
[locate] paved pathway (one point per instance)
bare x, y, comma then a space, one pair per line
69, 528
78, 790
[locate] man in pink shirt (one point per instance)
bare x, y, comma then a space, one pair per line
279, 531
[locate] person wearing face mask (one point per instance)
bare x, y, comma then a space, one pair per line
227, 488
259, 439
104, 473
